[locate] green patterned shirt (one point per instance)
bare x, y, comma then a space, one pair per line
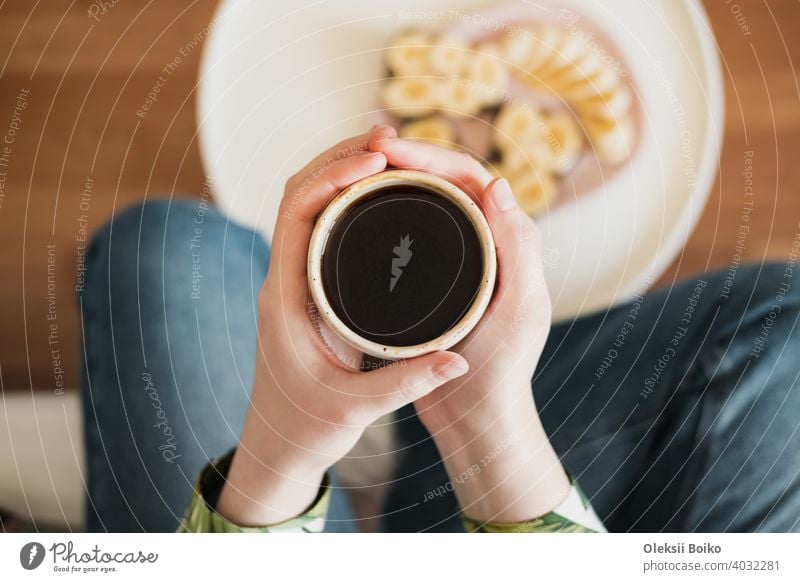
574, 514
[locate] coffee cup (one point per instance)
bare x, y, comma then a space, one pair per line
401, 263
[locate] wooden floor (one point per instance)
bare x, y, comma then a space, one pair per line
73, 85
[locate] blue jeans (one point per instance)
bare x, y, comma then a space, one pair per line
676, 412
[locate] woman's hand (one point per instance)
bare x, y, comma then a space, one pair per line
485, 424
310, 404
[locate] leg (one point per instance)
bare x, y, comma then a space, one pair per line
169, 320
682, 427
665, 411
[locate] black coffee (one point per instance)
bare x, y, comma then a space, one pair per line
402, 266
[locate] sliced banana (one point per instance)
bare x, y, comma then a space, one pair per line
574, 67
448, 55
588, 65
546, 42
412, 97
565, 140
568, 52
434, 129
535, 191
518, 48
514, 122
530, 155
488, 74
408, 54
613, 105
604, 82
447, 76
612, 139
460, 98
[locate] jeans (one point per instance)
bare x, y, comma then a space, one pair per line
675, 412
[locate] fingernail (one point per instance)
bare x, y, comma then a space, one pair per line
452, 369
502, 196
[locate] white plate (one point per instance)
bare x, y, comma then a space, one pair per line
280, 81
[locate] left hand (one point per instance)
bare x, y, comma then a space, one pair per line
309, 405
487, 419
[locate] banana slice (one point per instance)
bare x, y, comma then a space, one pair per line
608, 105
546, 42
544, 50
578, 72
408, 54
531, 155
567, 65
460, 98
535, 191
489, 74
565, 140
448, 55
589, 64
604, 82
612, 139
568, 51
518, 48
412, 97
434, 129
513, 123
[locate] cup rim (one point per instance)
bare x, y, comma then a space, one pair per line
350, 196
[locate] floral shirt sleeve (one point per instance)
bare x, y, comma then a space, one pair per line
202, 518
574, 514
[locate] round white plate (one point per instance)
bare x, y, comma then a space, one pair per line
281, 81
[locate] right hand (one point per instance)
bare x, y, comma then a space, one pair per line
493, 404
309, 407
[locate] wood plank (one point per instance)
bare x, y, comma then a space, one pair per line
763, 117
80, 124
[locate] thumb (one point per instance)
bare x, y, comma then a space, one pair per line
406, 381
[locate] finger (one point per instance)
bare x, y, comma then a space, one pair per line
307, 199
459, 168
392, 387
344, 149
516, 238
296, 220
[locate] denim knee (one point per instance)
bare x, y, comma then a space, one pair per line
166, 278
757, 436
163, 244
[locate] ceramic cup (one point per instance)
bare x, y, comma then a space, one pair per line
349, 199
